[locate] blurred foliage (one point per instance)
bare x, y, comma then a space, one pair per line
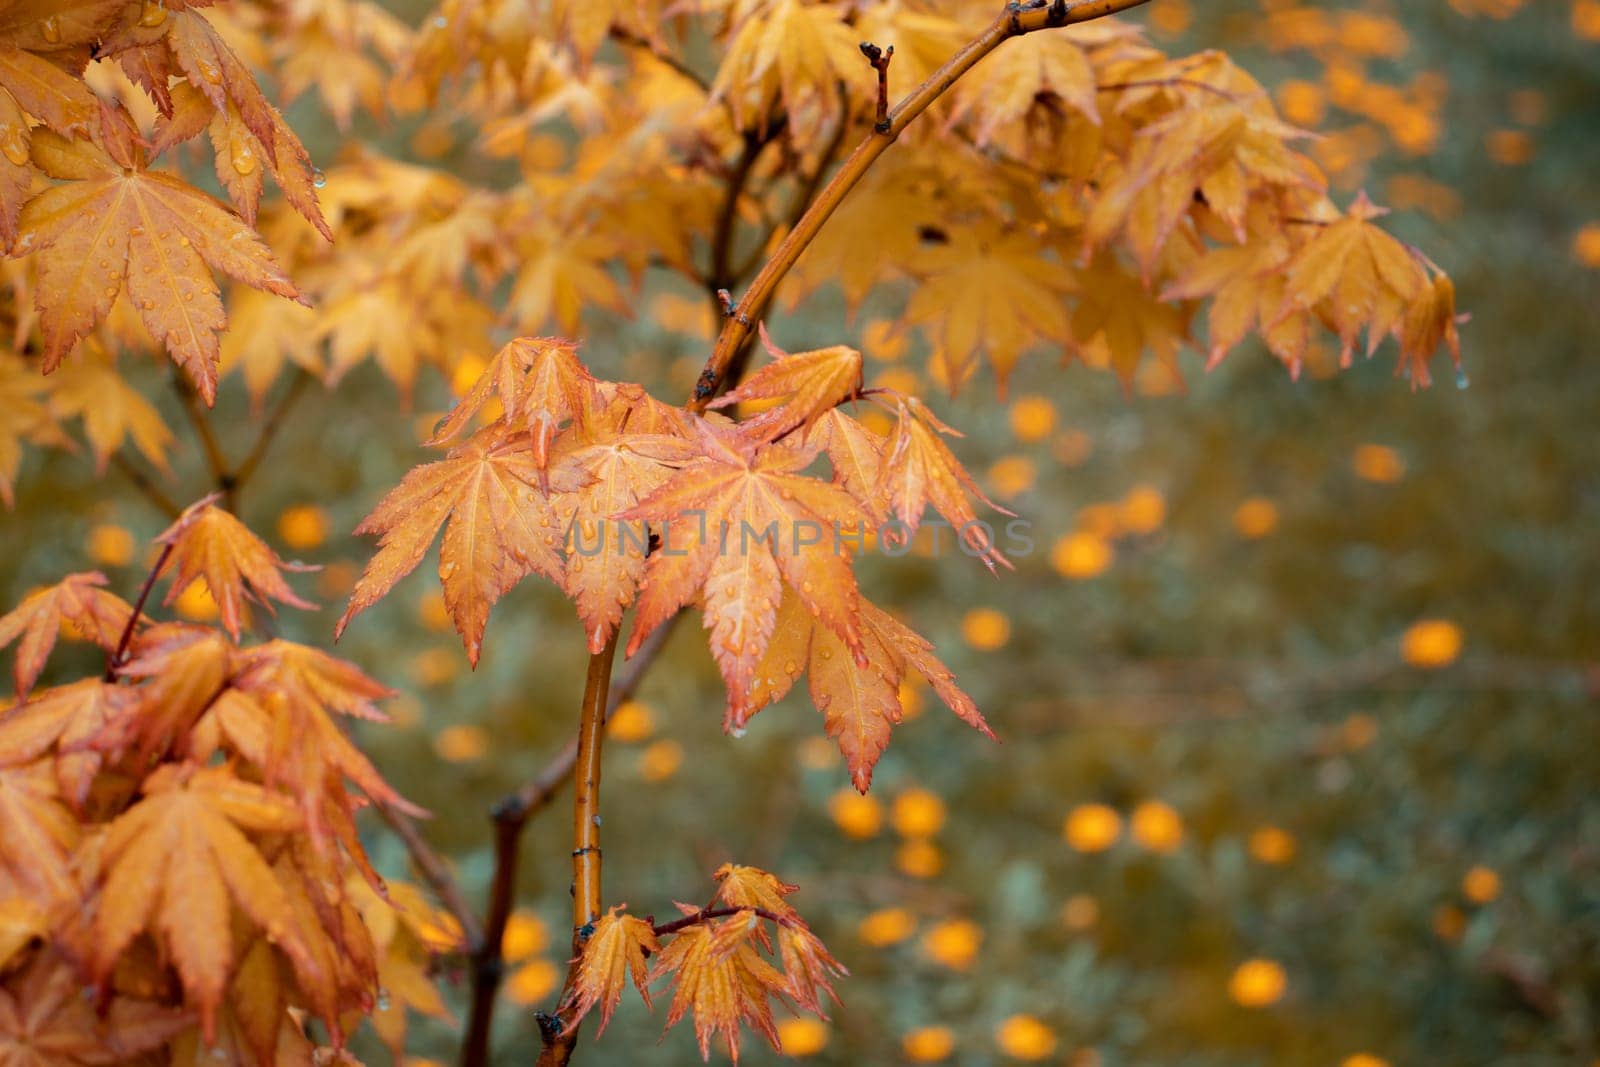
1246, 809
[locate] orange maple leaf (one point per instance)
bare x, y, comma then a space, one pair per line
810, 384
45, 1020
65, 719
541, 383
172, 863
614, 952
116, 223
718, 974
37, 833
500, 529
208, 542
753, 521
77, 603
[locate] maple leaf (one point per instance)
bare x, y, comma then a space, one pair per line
172, 864
1430, 320
498, 528
1245, 285
116, 223
767, 523
21, 921
856, 455
183, 669
45, 1021
860, 704
540, 382
112, 411
208, 542
919, 470
1360, 275
37, 833
56, 25
615, 468
786, 51
77, 602
614, 952
808, 966
65, 719
31, 85
1118, 318
22, 418
810, 384
718, 974
1036, 69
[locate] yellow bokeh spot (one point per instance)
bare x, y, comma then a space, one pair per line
468, 369
195, 602
986, 629
857, 815
525, 935
1080, 912
660, 761
303, 527
1449, 922
1358, 731
111, 546
802, 1037
1272, 845
432, 611
532, 982
632, 721
420, 1061
1092, 827
818, 754
1024, 1037
886, 926
1170, 17
1255, 517
1586, 19
462, 743
1302, 102
928, 1044
911, 702
1378, 463
1480, 885
1258, 983
435, 666
1431, 643
1510, 148
917, 813
1033, 418
1363, 1059
1101, 520
1143, 510
1157, 826
1586, 242
953, 943
1081, 556
1011, 476
919, 859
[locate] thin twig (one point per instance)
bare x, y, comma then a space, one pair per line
1016, 20
270, 426
587, 900
879, 58
216, 460
118, 656
434, 871
707, 914
141, 481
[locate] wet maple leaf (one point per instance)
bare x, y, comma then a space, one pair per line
175, 860
807, 964
65, 719
856, 455
860, 704
77, 602
56, 25
740, 521
31, 85
614, 952
182, 668
540, 382
614, 468
810, 384
498, 528
37, 832
919, 470
1118, 319
21, 920
1431, 320
115, 224
45, 1021
207, 542
719, 975
1039, 69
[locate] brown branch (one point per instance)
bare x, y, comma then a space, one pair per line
141, 481
879, 58
1016, 20
216, 460
511, 815
707, 914
434, 871
270, 427
118, 656
559, 1040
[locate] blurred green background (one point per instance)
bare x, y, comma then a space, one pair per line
1297, 694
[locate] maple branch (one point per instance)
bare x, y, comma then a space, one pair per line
118, 656
587, 902
270, 426
141, 481
434, 871
1016, 20
707, 914
510, 816
879, 58
215, 459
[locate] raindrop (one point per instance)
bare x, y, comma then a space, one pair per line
14, 142
383, 999
318, 179
737, 732
209, 71
153, 13
440, 22
50, 29
1462, 381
